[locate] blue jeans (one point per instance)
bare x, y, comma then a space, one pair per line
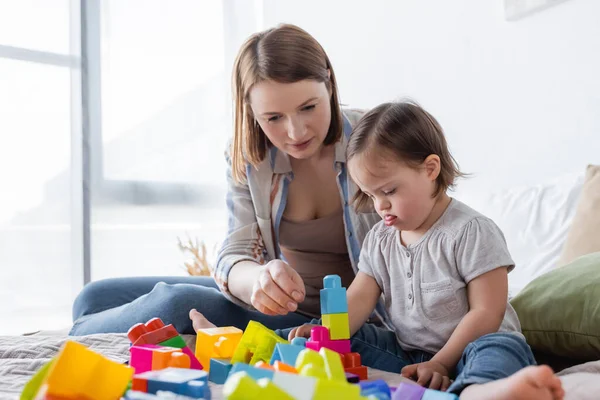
115, 305
489, 358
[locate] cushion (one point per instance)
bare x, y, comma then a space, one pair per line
560, 310
584, 233
535, 220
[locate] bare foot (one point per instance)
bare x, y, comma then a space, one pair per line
538, 383
199, 321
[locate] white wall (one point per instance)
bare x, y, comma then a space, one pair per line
520, 101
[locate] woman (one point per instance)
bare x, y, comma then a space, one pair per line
290, 222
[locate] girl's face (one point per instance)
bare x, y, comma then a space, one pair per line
402, 195
294, 116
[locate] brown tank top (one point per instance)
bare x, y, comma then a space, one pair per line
316, 248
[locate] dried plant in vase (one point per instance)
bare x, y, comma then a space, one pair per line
198, 265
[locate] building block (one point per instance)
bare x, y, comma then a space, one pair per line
161, 394
187, 382
240, 386
352, 364
219, 370
286, 353
378, 388
264, 365
327, 389
257, 343
176, 341
299, 341
310, 363
298, 386
338, 325
33, 386
333, 365
319, 338
157, 333
333, 296
281, 366
253, 372
352, 378
270, 391
150, 357
152, 332
216, 343
408, 391
78, 372
437, 395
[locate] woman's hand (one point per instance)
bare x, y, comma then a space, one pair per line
278, 289
301, 331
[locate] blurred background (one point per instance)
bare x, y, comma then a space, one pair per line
114, 115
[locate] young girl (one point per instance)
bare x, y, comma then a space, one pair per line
441, 268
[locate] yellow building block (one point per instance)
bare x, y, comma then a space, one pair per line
257, 344
333, 365
240, 386
270, 391
81, 373
338, 325
216, 343
309, 357
326, 389
314, 371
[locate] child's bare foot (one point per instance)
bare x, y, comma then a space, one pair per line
199, 321
538, 383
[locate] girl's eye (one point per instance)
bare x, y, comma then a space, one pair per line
308, 108
274, 118
389, 192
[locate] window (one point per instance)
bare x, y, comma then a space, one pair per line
38, 271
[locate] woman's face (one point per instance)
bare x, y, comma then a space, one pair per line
294, 116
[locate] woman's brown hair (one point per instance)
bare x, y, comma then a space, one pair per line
284, 54
408, 133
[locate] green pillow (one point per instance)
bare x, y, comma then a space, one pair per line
560, 310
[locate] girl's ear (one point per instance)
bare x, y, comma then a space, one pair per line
432, 166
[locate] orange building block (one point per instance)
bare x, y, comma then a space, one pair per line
80, 373
264, 365
283, 367
216, 343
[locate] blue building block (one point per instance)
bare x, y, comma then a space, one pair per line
299, 341
286, 353
408, 391
254, 372
437, 395
379, 389
219, 370
187, 382
333, 296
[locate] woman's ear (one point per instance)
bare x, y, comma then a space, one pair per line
433, 166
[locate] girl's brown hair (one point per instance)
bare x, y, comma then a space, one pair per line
407, 132
284, 54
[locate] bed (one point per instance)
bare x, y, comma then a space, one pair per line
535, 221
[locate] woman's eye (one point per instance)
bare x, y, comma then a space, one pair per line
389, 192
274, 118
308, 108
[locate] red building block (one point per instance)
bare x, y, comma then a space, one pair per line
152, 332
352, 364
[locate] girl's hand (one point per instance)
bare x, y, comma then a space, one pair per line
301, 331
430, 374
278, 289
